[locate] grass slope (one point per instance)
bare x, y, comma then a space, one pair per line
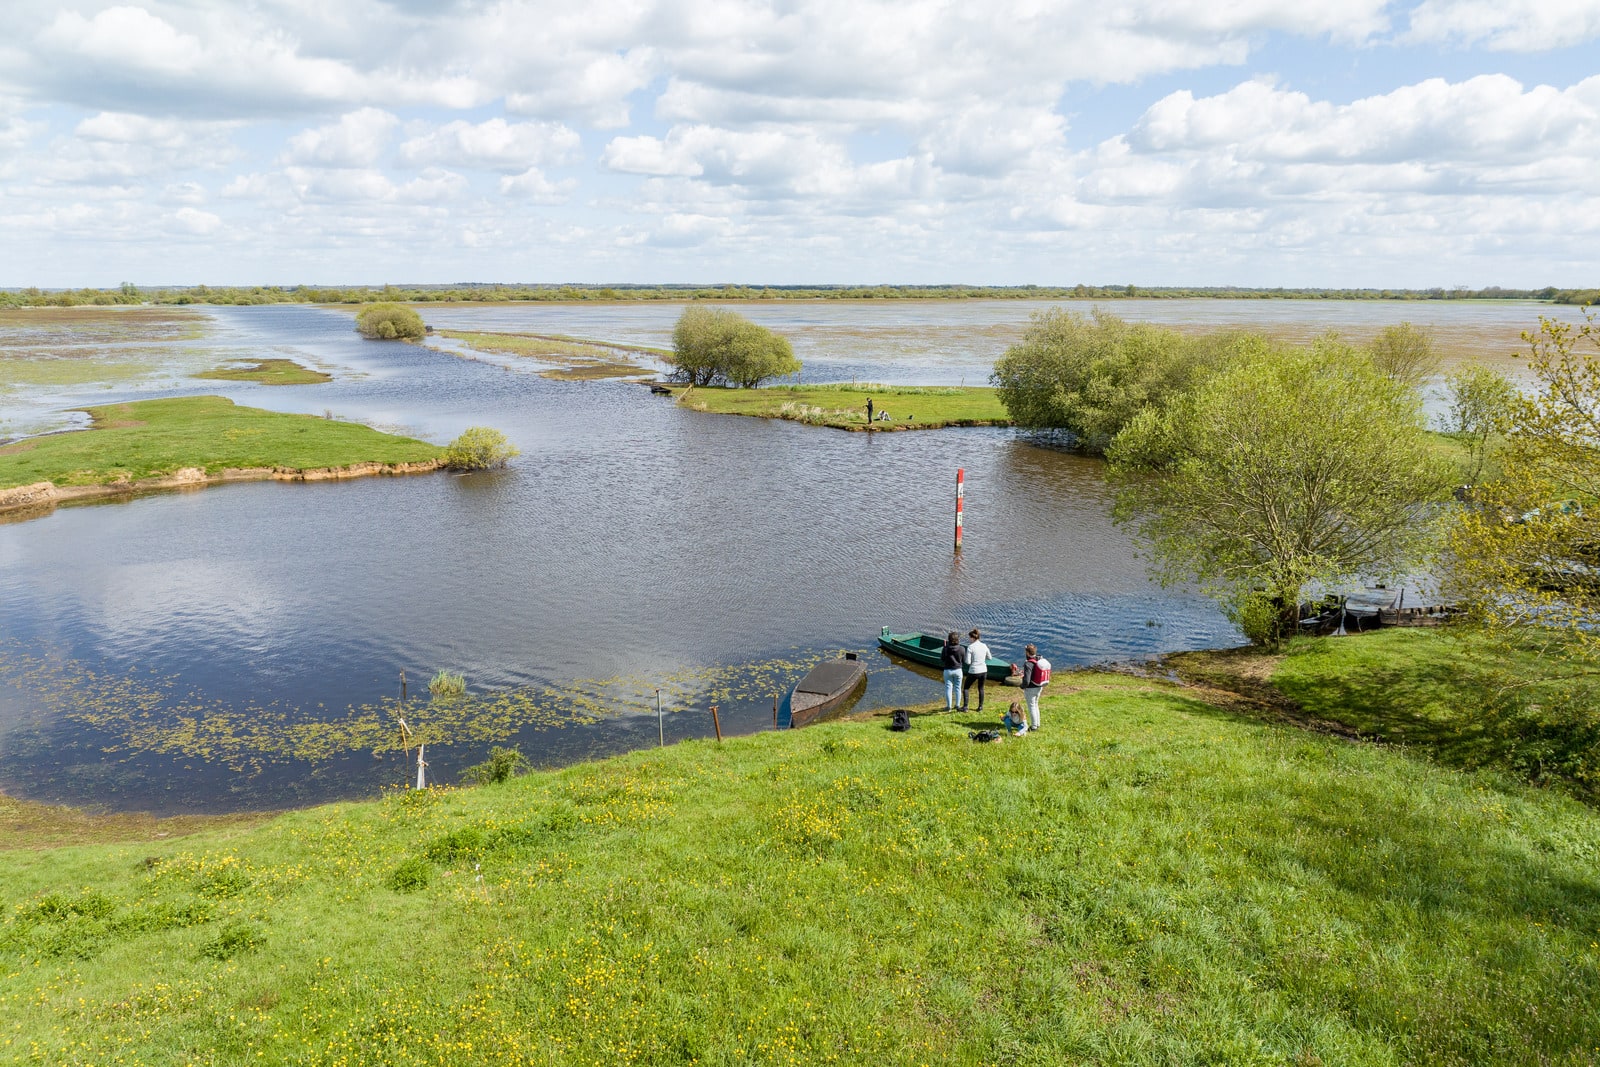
1464, 697
1149, 880
149, 438
269, 372
844, 407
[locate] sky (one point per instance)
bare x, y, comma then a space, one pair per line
1153, 142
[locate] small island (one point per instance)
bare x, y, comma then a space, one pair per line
267, 372
197, 440
844, 407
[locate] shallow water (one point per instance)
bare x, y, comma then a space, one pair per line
240, 647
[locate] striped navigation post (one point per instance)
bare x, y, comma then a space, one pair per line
961, 491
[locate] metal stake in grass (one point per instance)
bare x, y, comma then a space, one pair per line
422, 768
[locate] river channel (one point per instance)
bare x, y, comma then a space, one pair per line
241, 647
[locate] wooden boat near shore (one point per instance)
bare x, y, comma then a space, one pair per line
926, 648
827, 688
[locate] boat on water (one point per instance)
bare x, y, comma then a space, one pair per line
827, 688
926, 648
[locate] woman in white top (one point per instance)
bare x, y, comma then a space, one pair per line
977, 668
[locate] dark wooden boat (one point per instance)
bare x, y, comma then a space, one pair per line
926, 648
828, 688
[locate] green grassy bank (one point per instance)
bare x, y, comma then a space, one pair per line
153, 438
844, 407
1151, 879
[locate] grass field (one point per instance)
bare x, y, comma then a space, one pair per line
844, 407
268, 372
1150, 880
150, 438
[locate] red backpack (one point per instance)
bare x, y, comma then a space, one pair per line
1041, 671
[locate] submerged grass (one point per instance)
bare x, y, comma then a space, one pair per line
268, 372
579, 359
1148, 880
150, 438
843, 407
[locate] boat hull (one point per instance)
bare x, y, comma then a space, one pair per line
925, 649
828, 689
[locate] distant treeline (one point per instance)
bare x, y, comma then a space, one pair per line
129, 293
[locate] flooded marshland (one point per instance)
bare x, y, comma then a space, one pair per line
241, 647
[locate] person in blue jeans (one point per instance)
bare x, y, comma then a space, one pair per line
952, 658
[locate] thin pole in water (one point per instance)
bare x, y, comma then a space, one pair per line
961, 492
716, 723
774, 711
661, 730
402, 685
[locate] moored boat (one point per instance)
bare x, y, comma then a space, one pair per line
926, 648
825, 689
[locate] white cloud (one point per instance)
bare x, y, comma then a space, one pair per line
1506, 25
533, 186
495, 145
358, 139
195, 221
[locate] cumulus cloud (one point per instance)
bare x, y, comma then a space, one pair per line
1506, 25
358, 139
533, 186
495, 145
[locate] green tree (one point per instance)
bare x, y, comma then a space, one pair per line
479, 449
712, 346
1526, 555
1404, 353
1285, 468
389, 322
1092, 375
1479, 400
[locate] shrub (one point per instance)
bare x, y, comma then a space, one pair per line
502, 764
445, 684
479, 449
389, 322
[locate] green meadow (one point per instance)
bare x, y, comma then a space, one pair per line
150, 438
1160, 876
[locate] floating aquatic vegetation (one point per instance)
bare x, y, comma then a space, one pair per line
151, 714
446, 684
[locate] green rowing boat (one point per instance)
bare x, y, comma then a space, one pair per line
925, 649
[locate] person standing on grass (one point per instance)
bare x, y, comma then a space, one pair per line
951, 659
869, 411
977, 668
1035, 676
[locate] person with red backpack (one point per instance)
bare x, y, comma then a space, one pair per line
1035, 676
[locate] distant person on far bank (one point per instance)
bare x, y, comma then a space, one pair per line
869, 409
951, 660
1035, 676
977, 668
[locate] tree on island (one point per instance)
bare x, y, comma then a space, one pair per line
389, 322
712, 346
1284, 469
479, 448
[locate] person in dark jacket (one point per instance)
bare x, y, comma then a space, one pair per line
952, 659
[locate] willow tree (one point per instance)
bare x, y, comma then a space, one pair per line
1526, 553
1092, 375
712, 346
1283, 469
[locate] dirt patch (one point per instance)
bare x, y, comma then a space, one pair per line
1240, 680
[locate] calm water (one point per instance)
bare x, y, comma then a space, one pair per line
240, 647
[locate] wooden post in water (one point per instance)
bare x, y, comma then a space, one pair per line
716, 723
961, 492
402, 685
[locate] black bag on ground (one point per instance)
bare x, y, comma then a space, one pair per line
902, 720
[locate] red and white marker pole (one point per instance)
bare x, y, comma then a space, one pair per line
961, 491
